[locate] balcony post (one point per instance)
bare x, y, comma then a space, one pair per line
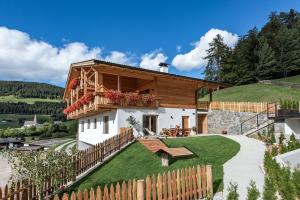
119, 83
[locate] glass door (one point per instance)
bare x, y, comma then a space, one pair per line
150, 123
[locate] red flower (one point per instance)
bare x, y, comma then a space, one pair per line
132, 98
147, 99
73, 84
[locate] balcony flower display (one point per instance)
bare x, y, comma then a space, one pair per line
86, 99
147, 99
115, 96
132, 98
73, 83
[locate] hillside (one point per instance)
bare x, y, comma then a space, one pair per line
259, 92
23, 89
20, 101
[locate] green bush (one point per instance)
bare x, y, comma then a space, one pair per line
292, 138
296, 181
281, 138
273, 139
269, 190
253, 193
232, 192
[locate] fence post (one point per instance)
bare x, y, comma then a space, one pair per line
140, 189
209, 180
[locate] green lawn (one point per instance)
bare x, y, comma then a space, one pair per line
138, 162
14, 99
292, 79
257, 92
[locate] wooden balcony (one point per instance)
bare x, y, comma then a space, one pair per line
100, 103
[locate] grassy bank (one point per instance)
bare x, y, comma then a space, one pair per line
137, 162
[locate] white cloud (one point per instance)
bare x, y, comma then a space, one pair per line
178, 48
120, 57
151, 60
195, 58
24, 58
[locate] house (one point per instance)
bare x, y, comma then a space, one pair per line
28, 124
9, 143
105, 97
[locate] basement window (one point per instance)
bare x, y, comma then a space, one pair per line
95, 123
105, 124
82, 126
88, 124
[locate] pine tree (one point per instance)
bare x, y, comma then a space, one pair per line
232, 192
252, 191
266, 66
247, 58
216, 52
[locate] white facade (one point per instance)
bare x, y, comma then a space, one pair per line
165, 118
292, 126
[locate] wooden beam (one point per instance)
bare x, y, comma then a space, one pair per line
123, 72
119, 83
210, 95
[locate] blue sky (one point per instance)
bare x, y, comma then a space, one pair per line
139, 30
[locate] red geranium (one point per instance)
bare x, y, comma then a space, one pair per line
147, 99
132, 98
73, 84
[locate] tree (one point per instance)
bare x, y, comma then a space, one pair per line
246, 57
216, 52
232, 192
266, 66
252, 191
229, 69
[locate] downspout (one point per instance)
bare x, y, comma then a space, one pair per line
196, 109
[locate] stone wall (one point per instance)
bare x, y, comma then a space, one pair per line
231, 121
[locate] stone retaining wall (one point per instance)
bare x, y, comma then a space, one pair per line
230, 121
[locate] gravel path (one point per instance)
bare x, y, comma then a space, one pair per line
245, 166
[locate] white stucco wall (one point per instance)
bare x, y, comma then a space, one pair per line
166, 117
94, 136
292, 126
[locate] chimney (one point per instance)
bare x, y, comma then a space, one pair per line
163, 67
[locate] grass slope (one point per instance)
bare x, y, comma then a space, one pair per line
138, 162
257, 92
292, 79
14, 99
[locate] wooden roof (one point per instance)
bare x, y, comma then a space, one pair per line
126, 69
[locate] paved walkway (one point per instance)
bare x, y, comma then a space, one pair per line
245, 166
5, 171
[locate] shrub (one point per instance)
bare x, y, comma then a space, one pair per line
273, 139
269, 190
253, 193
281, 138
296, 180
232, 192
292, 138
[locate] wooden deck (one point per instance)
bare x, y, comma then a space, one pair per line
156, 145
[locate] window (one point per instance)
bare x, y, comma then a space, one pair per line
88, 123
105, 124
82, 126
95, 123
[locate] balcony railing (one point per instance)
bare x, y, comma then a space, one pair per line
100, 101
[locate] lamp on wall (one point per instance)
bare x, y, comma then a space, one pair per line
171, 117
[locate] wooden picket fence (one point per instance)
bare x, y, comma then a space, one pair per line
255, 107
82, 162
182, 184
95, 154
